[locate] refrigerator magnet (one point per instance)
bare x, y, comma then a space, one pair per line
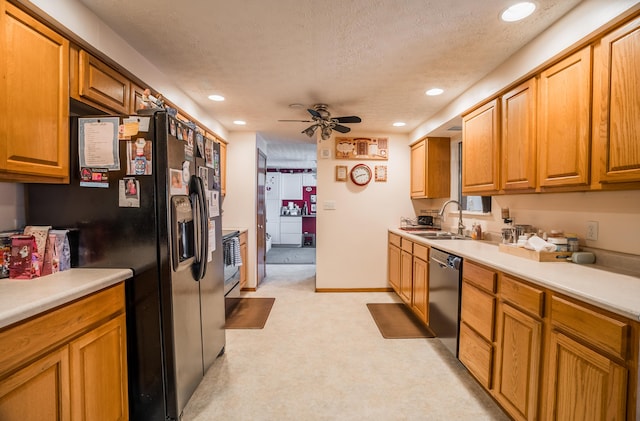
129, 193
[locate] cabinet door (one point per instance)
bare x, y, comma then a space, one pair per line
583, 384
406, 276
564, 120
481, 149
418, 168
519, 161
430, 168
272, 185
39, 391
34, 91
620, 116
291, 186
135, 98
102, 85
223, 168
394, 268
518, 362
420, 289
99, 373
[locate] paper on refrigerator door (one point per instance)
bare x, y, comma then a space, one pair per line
214, 203
212, 240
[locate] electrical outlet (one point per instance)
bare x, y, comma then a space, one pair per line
592, 230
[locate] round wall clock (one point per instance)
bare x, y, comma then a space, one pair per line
361, 175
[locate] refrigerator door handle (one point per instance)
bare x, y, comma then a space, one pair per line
202, 229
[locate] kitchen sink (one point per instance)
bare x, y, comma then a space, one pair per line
440, 235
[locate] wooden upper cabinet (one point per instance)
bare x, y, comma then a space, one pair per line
430, 168
97, 84
519, 163
135, 99
564, 121
223, 168
34, 100
481, 150
619, 95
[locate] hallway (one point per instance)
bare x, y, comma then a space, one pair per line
321, 357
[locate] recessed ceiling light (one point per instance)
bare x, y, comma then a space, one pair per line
239, 122
217, 98
399, 124
434, 91
518, 11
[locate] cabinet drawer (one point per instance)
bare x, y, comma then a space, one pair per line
521, 295
394, 239
476, 354
481, 277
599, 330
407, 245
477, 309
421, 252
101, 84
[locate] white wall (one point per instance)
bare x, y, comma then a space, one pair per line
351, 246
11, 206
239, 206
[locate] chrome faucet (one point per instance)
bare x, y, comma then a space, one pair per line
461, 226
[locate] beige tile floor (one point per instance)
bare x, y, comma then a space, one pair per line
321, 357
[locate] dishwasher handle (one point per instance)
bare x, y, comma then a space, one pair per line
440, 262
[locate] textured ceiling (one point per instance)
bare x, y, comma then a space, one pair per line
371, 58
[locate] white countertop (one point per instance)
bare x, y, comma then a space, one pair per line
23, 298
611, 291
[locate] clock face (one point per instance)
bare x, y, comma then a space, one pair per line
361, 174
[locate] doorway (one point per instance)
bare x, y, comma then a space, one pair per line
291, 200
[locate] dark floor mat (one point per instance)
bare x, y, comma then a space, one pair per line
396, 321
248, 313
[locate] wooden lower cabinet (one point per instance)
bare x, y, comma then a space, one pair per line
39, 391
69, 363
552, 358
582, 384
518, 362
394, 268
420, 283
406, 276
408, 266
99, 373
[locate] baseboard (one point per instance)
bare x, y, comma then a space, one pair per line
354, 289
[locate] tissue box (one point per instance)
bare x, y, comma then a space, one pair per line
539, 256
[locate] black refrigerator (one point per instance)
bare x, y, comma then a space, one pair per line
158, 214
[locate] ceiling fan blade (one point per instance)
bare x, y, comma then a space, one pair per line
341, 129
314, 113
349, 119
301, 121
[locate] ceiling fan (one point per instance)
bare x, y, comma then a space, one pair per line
321, 117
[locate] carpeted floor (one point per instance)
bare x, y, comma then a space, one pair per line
291, 255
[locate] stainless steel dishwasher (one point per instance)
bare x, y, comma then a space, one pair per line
444, 297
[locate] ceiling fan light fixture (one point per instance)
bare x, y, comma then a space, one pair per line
309, 131
326, 133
